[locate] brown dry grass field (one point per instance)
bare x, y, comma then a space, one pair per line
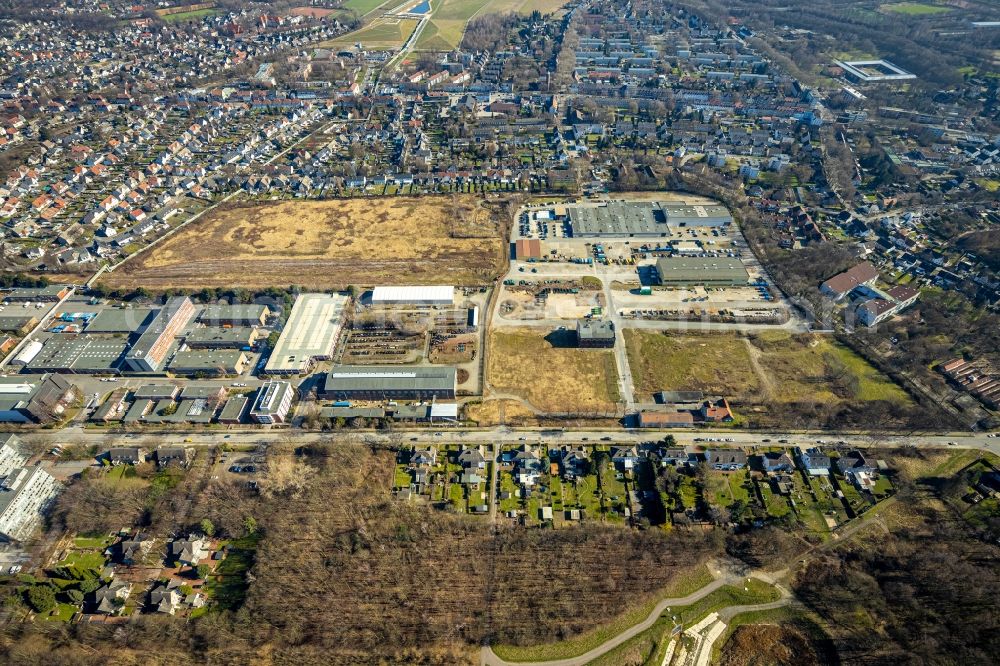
718, 363
327, 245
552, 378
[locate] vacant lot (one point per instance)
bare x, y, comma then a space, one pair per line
771, 367
715, 364
326, 245
381, 34
553, 378
813, 368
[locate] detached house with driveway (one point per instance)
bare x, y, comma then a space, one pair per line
858, 470
528, 465
574, 462
472, 458
625, 458
188, 551
776, 461
815, 462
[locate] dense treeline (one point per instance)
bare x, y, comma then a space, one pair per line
488, 33
922, 596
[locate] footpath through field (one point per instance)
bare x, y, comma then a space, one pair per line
725, 577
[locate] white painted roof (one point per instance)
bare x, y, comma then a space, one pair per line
414, 294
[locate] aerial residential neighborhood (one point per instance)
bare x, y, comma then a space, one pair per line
499, 332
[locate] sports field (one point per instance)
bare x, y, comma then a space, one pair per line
554, 379
194, 15
326, 245
914, 8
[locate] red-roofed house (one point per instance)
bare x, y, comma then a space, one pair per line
844, 283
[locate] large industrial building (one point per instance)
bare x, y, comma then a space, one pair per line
25, 492
642, 219
422, 382
39, 400
85, 354
273, 402
414, 295
310, 333
234, 315
209, 362
150, 351
50, 293
708, 271
19, 324
119, 320
11, 453
209, 337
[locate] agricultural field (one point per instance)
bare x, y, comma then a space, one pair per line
380, 34
769, 367
363, 7
445, 29
327, 245
553, 379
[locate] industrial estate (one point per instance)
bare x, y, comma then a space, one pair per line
499, 332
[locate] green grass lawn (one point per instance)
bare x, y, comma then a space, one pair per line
61, 613
688, 493
724, 488
376, 35
776, 505
456, 495
95, 543
653, 640
915, 8
803, 620
883, 486
402, 477
507, 485
227, 586
84, 560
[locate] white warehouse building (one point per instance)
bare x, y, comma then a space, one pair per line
11, 455
25, 493
414, 295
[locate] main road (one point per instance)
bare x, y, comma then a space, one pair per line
507, 436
